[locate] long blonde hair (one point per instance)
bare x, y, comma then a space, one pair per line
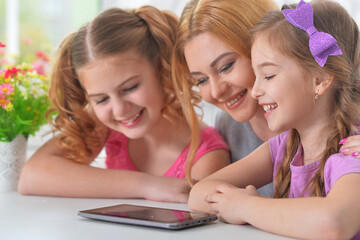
228, 20
329, 17
113, 31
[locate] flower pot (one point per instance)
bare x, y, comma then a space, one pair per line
12, 160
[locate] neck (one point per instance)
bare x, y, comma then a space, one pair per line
313, 140
313, 130
165, 133
260, 127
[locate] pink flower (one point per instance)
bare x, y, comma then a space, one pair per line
3, 102
11, 72
6, 89
41, 67
42, 56
2, 45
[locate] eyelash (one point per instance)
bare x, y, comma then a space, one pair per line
269, 77
227, 67
126, 90
224, 69
201, 81
101, 100
131, 88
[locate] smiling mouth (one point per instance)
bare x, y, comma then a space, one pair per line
269, 107
133, 119
236, 99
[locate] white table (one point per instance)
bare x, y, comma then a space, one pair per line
48, 218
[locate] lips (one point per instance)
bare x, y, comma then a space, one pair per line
132, 121
233, 102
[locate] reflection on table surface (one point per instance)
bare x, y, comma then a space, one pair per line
37, 217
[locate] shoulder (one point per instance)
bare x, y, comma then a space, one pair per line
277, 146
337, 166
210, 138
279, 140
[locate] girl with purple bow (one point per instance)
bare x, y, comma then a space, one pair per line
307, 67
211, 61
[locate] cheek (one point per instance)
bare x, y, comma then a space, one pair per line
205, 93
100, 112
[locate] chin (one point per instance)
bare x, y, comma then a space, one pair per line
242, 115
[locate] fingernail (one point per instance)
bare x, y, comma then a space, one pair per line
343, 141
355, 154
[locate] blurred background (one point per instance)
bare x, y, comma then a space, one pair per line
28, 27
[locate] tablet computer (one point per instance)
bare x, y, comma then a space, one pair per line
149, 216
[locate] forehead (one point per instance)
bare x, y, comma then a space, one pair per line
119, 66
204, 42
263, 51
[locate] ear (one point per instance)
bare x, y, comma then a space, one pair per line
323, 83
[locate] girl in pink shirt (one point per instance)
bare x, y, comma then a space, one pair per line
111, 87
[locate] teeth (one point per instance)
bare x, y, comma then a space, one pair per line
234, 100
132, 119
269, 107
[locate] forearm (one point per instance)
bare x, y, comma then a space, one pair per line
61, 177
305, 218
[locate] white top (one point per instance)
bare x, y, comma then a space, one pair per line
50, 218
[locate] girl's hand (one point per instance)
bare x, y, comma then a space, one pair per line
351, 146
229, 202
167, 189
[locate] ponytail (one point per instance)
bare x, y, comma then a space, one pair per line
78, 139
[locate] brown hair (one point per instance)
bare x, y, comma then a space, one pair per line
329, 17
228, 20
147, 29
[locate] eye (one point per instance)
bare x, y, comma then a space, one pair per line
133, 87
101, 100
227, 67
269, 77
201, 81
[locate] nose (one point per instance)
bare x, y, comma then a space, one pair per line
256, 90
218, 88
120, 107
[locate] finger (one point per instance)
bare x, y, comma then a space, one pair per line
352, 141
212, 198
221, 188
221, 218
250, 188
354, 151
214, 207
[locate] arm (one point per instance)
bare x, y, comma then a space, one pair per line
255, 169
47, 172
215, 155
336, 216
210, 163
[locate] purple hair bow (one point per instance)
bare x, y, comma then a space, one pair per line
321, 44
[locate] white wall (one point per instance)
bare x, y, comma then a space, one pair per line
353, 6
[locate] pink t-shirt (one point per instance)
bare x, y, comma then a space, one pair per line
336, 166
117, 155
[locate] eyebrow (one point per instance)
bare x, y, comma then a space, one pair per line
99, 94
213, 63
265, 64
